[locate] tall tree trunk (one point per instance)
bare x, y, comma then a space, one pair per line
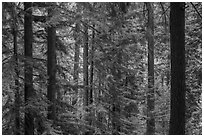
92, 68
15, 50
76, 61
91, 77
28, 37
150, 93
85, 67
98, 99
85, 71
177, 40
51, 68
17, 94
76, 57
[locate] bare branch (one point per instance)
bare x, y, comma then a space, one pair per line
196, 9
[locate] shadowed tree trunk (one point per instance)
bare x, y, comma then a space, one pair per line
17, 94
15, 50
51, 68
85, 66
150, 93
177, 41
86, 74
28, 37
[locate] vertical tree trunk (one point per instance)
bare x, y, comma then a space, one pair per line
177, 40
15, 50
28, 37
76, 57
98, 96
85, 72
76, 61
17, 95
150, 93
51, 68
91, 77
85, 67
92, 68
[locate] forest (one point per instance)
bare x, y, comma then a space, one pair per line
101, 68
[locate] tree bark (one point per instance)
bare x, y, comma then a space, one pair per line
76, 56
177, 41
51, 68
17, 94
86, 75
150, 93
28, 93
15, 50
91, 77
92, 68
85, 67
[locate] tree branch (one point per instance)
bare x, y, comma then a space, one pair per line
39, 18
196, 9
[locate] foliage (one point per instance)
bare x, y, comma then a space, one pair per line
120, 68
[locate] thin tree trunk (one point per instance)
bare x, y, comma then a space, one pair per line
177, 41
85, 67
92, 68
98, 99
28, 37
91, 95
15, 50
76, 57
150, 93
51, 69
17, 94
85, 73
